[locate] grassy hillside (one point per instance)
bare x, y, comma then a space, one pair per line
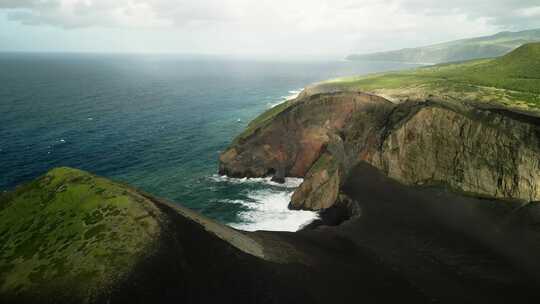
71, 233
460, 50
513, 79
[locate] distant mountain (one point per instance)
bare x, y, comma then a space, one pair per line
459, 50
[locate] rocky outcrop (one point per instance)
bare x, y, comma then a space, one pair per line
321, 188
480, 152
290, 143
469, 148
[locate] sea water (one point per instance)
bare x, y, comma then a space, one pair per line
157, 122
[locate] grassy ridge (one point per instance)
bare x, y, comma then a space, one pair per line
513, 80
465, 49
514, 77
71, 229
263, 119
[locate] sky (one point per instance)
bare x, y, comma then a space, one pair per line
277, 28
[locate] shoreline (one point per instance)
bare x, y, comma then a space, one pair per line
293, 95
268, 205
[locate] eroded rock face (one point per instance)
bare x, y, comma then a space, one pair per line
478, 151
321, 187
293, 141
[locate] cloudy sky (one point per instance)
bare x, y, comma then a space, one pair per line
253, 27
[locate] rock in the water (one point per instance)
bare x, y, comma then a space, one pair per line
473, 127
321, 188
486, 152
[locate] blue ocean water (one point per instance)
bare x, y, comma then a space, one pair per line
157, 122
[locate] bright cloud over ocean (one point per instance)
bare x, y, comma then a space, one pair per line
243, 27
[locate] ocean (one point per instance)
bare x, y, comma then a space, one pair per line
157, 122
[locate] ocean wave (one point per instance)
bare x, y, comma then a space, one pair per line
290, 182
293, 94
268, 210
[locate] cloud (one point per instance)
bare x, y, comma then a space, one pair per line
327, 26
83, 13
503, 13
119, 13
307, 13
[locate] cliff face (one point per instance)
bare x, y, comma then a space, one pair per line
290, 143
72, 237
471, 149
479, 152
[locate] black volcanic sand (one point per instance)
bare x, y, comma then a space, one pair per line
419, 245
453, 248
408, 244
193, 266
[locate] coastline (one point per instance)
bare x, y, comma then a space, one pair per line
267, 205
267, 208
293, 94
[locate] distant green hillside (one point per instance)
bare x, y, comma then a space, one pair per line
513, 79
460, 50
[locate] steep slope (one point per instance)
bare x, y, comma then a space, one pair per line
423, 245
432, 127
55, 230
431, 198
512, 80
72, 237
465, 49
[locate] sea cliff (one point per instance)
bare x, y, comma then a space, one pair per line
426, 182
452, 139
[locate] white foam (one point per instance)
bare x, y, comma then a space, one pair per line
290, 182
293, 94
268, 211
268, 207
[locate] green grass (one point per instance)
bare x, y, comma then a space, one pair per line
71, 232
459, 50
513, 78
263, 119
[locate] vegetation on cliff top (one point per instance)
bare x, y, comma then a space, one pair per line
71, 233
513, 79
264, 118
465, 49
